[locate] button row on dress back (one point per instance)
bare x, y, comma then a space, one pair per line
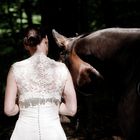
39, 131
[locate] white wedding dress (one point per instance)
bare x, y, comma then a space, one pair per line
40, 82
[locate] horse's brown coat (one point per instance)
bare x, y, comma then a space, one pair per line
111, 56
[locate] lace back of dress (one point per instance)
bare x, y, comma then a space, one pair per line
40, 80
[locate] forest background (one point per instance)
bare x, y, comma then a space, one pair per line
66, 16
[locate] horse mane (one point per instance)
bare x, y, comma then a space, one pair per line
84, 35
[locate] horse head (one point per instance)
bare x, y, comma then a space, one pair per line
82, 72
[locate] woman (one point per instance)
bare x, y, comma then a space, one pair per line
35, 87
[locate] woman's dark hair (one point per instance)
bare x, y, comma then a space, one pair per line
32, 36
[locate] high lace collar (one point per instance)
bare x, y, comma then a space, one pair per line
41, 57
37, 55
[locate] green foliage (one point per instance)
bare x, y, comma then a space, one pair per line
113, 13
14, 18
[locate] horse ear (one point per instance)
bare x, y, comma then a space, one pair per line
61, 40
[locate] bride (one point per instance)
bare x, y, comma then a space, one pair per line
34, 89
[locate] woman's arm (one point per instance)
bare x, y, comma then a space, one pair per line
69, 106
10, 106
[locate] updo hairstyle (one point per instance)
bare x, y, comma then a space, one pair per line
32, 37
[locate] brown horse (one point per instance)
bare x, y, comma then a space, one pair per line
107, 59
